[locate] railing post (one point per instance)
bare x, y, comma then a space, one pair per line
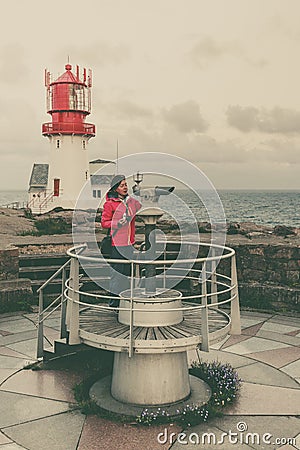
214, 287
74, 307
130, 349
40, 338
63, 325
164, 268
235, 304
204, 312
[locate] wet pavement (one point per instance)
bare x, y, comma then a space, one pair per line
38, 410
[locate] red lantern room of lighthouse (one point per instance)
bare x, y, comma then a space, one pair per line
68, 103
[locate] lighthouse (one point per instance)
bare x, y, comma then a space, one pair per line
59, 183
68, 103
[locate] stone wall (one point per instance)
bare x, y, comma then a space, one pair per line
269, 275
15, 293
9, 263
277, 264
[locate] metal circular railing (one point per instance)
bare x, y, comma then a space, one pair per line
212, 290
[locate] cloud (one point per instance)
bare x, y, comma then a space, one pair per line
276, 120
283, 151
197, 148
244, 119
202, 148
207, 50
186, 117
128, 109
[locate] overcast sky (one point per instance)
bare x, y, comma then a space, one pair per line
213, 81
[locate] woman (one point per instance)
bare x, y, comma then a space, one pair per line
118, 215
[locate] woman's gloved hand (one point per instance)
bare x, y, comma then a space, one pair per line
124, 220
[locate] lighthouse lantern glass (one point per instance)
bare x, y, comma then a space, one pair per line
66, 97
79, 97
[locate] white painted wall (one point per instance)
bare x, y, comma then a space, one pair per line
70, 163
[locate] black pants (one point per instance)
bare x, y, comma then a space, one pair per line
120, 272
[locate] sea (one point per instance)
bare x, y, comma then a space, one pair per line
263, 207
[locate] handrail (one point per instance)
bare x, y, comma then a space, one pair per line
52, 311
182, 308
32, 201
45, 201
53, 276
82, 246
212, 285
14, 205
68, 127
52, 303
41, 317
142, 299
230, 253
62, 304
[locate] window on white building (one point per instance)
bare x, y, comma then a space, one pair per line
96, 193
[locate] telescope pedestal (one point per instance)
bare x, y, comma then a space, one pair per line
150, 379
151, 310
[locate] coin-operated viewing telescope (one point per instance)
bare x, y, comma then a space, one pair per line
150, 213
152, 194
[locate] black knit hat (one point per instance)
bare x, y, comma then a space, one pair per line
115, 182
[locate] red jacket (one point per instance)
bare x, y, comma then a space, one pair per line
115, 209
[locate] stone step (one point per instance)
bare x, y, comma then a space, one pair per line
45, 272
62, 348
56, 259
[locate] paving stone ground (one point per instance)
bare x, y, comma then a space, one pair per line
38, 410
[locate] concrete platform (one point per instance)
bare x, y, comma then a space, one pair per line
37, 409
100, 393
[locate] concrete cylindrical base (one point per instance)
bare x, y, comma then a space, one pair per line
100, 393
154, 309
150, 379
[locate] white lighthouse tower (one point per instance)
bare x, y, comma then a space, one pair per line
68, 103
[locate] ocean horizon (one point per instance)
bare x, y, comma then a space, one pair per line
268, 207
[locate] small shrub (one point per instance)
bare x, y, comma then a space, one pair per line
52, 225
28, 214
189, 415
222, 379
20, 303
48, 226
